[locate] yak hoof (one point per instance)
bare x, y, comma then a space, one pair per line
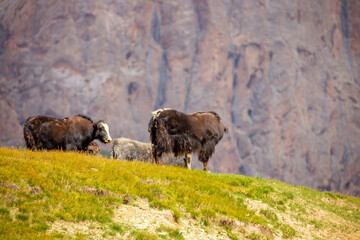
187, 160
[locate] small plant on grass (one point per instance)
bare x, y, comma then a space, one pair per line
176, 215
229, 233
260, 191
288, 231
143, 235
41, 227
4, 211
204, 222
5, 214
195, 214
22, 217
254, 236
288, 195
172, 233
269, 214
118, 228
317, 224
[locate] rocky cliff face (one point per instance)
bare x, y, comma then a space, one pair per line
283, 75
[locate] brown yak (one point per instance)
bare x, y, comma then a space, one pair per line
71, 133
181, 133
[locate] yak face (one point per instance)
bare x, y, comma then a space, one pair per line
102, 133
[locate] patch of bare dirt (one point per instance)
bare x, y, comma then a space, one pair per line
31, 189
10, 185
35, 190
337, 225
138, 215
308, 229
72, 229
97, 192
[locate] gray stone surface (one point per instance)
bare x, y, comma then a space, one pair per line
283, 75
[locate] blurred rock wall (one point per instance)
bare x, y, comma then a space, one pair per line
283, 75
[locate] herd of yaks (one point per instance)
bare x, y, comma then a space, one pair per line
174, 135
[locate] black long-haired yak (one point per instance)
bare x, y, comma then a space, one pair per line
181, 133
71, 133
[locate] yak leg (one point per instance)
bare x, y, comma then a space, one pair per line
188, 160
153, 158
153, 154
206, 168
158, 158
204, 159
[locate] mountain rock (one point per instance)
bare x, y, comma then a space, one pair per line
283, 75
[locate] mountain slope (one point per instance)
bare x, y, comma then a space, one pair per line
68, 195
284, 77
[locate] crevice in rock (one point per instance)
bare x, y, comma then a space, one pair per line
332, 35
202, 12
163, 81
198, 9
4, 36
345, 32
155, 29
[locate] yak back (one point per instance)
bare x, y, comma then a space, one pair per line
79, 116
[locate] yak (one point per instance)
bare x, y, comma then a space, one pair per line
71, 133
93, 148
129, 149
181, 134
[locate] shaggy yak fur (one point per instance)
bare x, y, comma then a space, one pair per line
71, 133
93, 148
128, 149
181, 134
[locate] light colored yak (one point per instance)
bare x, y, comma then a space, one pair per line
128, 149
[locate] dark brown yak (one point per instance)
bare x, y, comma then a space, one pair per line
71, 133
181, 133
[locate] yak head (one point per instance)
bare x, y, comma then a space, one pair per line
101, 130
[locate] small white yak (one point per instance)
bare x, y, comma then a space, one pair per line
128, 149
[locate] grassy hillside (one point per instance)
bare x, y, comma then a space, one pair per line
47, 195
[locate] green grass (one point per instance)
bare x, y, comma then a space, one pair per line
288, 231
38, 189
143, 235
118, 228
170, 233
